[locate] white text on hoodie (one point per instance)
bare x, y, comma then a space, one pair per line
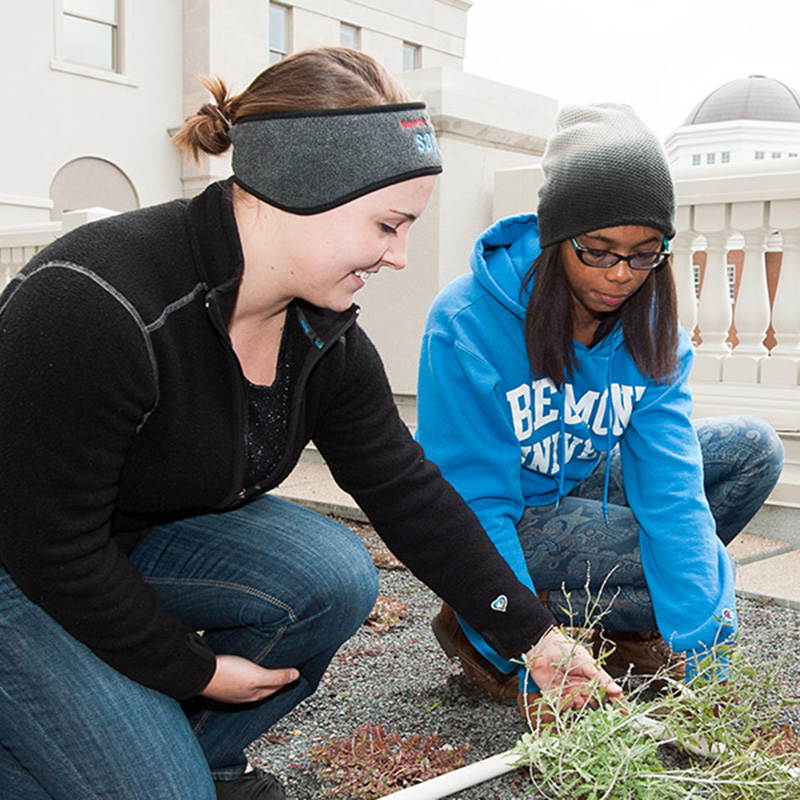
534, 405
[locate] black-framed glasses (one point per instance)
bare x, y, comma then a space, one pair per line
602, 259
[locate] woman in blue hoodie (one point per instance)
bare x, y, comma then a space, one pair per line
554, 395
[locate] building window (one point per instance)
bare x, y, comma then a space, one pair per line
91, 31
278, 32
350, 36
695, 159
792, 155
711, 158
776, 155
759, 155
411, 56
725, 157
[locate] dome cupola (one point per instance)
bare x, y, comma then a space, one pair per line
753, 98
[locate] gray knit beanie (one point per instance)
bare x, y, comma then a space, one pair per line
603, 167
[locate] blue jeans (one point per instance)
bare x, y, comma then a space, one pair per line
742, 462
275, 583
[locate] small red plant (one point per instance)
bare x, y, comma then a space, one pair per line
386, 614
353, 654
383, 558
781, 741
372, 763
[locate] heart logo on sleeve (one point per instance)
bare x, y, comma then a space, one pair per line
500, 603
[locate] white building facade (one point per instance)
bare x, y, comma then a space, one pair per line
90, 134
97, 85
107, 81
93, 90
749, 121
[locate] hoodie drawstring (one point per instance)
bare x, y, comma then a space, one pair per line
562, 447
609, 423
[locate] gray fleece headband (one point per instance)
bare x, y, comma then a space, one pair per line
311, 161
602, 168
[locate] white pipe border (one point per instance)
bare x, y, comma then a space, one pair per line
494, 766
461, 778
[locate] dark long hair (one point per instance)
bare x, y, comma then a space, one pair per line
649, 321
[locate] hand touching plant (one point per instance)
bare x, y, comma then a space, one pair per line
567, 674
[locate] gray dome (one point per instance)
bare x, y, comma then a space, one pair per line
756, 97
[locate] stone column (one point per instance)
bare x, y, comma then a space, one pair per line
714, 314
229, 40
752, 302
683, 270
782, 368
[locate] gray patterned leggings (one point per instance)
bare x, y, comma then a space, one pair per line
742, 461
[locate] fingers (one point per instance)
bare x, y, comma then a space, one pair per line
238, 680
613, 690
564, 668
277, 678
598, 675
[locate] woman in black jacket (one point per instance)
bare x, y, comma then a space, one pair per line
161, 370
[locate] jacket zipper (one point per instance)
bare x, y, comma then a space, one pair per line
318, 349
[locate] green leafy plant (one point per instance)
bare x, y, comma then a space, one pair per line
372, 762
722, 737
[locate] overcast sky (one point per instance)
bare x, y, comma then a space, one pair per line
660, 58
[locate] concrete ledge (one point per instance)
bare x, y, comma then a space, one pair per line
746, 548
775, 580
311, 486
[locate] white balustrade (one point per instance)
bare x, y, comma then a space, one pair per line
683, 269
20, 246
717, 226
714, 315
783, 366
752, 312
741, 222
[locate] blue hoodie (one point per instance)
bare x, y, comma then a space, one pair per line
506, 440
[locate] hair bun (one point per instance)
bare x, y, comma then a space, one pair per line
215, 113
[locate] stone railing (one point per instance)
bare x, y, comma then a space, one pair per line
18, 246
737, 267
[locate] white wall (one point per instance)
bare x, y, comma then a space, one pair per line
59, 114
482, 126
739, 138
439, 27
230, 38
55, 113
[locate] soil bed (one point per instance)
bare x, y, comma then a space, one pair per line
402, 681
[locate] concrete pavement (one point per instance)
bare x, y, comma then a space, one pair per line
767, 552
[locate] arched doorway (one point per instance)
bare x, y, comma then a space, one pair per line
88, 183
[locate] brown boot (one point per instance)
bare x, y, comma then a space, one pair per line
455, 644
643, 652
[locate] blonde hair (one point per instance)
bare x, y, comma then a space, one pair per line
319, 78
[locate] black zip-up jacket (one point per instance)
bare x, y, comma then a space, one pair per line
122, 405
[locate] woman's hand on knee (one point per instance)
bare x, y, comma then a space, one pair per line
566, 671
237, 680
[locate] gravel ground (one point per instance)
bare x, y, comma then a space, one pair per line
402, 681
